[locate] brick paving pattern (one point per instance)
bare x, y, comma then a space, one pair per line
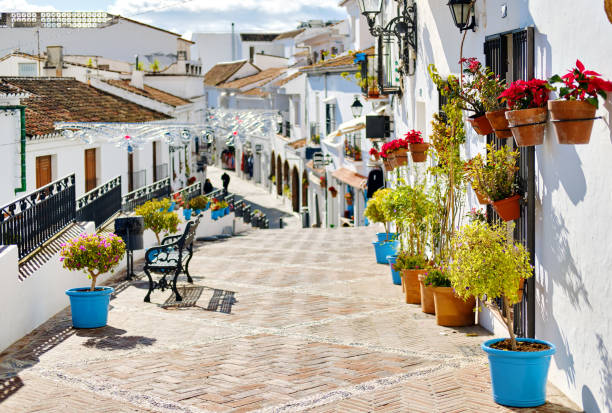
279, 321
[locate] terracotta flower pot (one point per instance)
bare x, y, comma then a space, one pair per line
452, 311
508, 209
480, 123
401, 157
373, 93
387, 164
419, 151
427, 296
499, 123
376, 157
482, 199
573, 120
528, 125
410, 281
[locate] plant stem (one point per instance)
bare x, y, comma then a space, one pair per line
94, 276
509, 323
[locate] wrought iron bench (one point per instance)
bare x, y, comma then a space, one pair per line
171, 257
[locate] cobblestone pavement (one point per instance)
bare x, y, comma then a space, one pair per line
275, 207
277, 320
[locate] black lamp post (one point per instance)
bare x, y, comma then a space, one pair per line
356, 107
463, 14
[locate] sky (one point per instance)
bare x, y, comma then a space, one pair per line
196, 16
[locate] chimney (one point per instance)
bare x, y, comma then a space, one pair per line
137, 79
55, 59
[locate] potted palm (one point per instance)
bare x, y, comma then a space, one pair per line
497, 180
95, 255
374, 212
158, 217
574, 113
488, 264
451, 309
527, 101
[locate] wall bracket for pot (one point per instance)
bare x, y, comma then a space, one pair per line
576, 120
527, 124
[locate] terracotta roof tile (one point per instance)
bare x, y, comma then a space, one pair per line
65, 99
220, 72
289, 35
349, 177
264, 76
288, 79
256, 92
149, 92
344, 60
300, 143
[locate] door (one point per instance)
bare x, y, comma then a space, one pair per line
130, 172
43, 170
90, 169
154, 161
511, 56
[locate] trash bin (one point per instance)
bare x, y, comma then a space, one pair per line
305, 217
131, 230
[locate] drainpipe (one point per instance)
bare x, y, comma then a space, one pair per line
22, 129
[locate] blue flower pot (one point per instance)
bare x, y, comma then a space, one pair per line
382, 236
226, 210
89, 308
207, 206
214, 214
395, 275
382, 249
187, 214
518, 377
172, 205
198, 212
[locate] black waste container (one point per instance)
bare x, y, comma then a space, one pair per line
130, 229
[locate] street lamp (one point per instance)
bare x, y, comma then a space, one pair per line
370, 9
356, 107
462, 11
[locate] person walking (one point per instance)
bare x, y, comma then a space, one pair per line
226, 180
208, 188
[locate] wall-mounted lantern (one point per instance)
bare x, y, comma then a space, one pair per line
356, 107
463, 14
370, 9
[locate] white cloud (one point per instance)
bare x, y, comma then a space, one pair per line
23, 5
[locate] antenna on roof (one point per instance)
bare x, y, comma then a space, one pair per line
233, 44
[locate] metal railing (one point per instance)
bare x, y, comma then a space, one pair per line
161, 172
101, 203
132, 200
190, 192
32, 220
139, 179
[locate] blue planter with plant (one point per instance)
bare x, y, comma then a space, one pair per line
519, 377
172, 205
383, 236
198, 212
383, 249
395, 275
214, 214
226, 211
95, 255
187, 214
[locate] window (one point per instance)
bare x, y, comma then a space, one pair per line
28, 69
330, 118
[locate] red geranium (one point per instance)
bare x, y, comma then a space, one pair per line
526, 94
373, 152
413, 137
581, 84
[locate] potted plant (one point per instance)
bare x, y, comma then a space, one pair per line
473, 172
349, 198
574, 113
488, 264
333, 191
96, 255
427, 294
418, 148
199, 203
451, 309
158, 217
387, 243
373, 92
498, 181
187, 211
395, 271
374, 154
410, 267
322, 182
527, 101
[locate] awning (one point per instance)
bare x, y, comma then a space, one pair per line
350, 178
352, 125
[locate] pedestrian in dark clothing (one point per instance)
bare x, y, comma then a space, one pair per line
208, 188
226, 179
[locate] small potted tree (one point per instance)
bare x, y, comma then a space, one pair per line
158, 217
527, 102
95, 255
199, 203
497, 181
574, 113
374, 212
488, 264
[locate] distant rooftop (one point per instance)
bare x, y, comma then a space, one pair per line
258, 37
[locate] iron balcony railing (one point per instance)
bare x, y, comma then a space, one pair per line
159, 189
189, 192
101, 203
34, 219
161, 172
139, 179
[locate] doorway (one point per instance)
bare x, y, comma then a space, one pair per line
91, 179
295, 189
43, 170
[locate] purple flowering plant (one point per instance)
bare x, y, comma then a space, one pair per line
94, 254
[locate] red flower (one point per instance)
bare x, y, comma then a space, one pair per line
413, 137
373, 151
582, 84
526, 94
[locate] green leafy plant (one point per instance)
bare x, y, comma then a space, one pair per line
496, 178
407, 261
436, 277
157, 218
487, 263
95, 254
374, 212
287, 192
199, 202
154, 66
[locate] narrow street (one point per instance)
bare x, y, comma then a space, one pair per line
277, 320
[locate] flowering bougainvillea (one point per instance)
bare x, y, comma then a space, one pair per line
582, 84
93, 253
413, 137
526, 94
